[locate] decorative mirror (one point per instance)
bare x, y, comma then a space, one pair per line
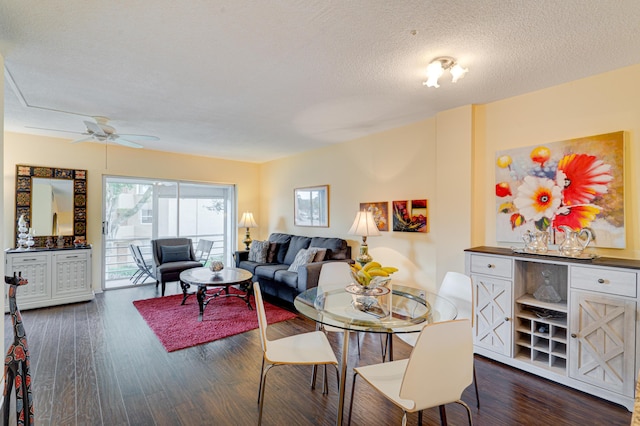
53, 202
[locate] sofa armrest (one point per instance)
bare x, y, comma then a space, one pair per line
309, 274
239, 256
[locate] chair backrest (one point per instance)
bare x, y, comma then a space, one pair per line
156, 247
138, 257
443, 358
262, 316
458, 288
203, 249
334, 275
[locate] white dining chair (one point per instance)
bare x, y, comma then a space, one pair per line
310, 348
458, 289
438, 370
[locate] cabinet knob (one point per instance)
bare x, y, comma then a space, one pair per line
574, 335
600, 281
489, 265
506, 319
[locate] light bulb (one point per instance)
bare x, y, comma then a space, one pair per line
457, 72
434, 71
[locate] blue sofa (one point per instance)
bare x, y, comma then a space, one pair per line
273, 275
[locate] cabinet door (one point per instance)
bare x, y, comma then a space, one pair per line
70, 272
602, 341
493, 311
35, 268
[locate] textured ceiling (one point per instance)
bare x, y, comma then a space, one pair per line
256, 80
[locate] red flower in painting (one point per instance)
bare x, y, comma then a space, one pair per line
503, 189
18, 380
583, 178
576, 217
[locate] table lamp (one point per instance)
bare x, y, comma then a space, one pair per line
364, 225
247, 221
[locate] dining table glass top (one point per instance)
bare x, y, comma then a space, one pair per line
403, 310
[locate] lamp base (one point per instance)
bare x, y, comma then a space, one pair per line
247, 240
364, 257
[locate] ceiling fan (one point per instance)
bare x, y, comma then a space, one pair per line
101, 131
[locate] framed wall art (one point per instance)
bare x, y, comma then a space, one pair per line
577, 183
311, 206
410, 216
380, 212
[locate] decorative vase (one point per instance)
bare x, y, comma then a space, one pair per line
22, 233
216, 266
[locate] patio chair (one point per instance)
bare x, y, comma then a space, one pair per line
144, 266
203, 250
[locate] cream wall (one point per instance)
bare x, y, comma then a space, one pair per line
601, 104
118, 161
398, 164
2, 168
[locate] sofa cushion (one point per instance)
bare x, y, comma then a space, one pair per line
249, 265
336, 247
169, 267
268, 271
295, 245
303, 257
320, 254
272, 253
175, 253
283, 245
258, 251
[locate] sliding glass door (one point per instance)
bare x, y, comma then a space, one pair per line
138, 210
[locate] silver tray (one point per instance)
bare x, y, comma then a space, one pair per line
555, 253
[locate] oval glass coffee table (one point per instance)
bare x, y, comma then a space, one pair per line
204, 278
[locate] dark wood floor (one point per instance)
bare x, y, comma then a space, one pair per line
98, 363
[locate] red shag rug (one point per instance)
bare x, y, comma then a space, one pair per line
177, 326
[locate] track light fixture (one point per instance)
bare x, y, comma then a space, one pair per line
437, 67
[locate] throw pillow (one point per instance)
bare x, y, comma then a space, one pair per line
302, 258
258, 251
318, 254
175, 253
272, 253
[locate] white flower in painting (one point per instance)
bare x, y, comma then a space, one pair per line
538, 198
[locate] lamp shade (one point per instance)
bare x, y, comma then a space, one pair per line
247, 221
364, 225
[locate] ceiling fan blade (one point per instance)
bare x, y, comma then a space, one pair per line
140, 137
94, 128
85, 139
122, 141
54, 130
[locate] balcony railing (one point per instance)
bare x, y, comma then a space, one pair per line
119, 263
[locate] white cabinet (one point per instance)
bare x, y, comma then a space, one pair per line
585, 338
55, 276
491, 277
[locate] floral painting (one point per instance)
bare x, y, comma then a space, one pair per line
576, 183
410, 216
380, 212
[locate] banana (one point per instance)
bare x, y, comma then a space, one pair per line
389, 269
378, 272
371, 265
356, 266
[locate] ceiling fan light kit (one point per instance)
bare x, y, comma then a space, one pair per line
439, 65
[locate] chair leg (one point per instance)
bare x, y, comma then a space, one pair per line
443, 416
420, 418
325, 386
475, 384
263, 383
261, 373
353, 388
314, 374
164, 286
358, 341
404, 418
468, 411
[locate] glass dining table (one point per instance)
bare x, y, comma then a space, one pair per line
396, 309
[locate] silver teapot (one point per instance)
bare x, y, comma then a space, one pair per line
574, 241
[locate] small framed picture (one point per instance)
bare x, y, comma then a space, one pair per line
311, 206
410, 216
380, 212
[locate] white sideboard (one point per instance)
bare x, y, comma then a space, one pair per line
586, 341
56, 276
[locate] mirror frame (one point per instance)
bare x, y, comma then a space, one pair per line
24, 175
